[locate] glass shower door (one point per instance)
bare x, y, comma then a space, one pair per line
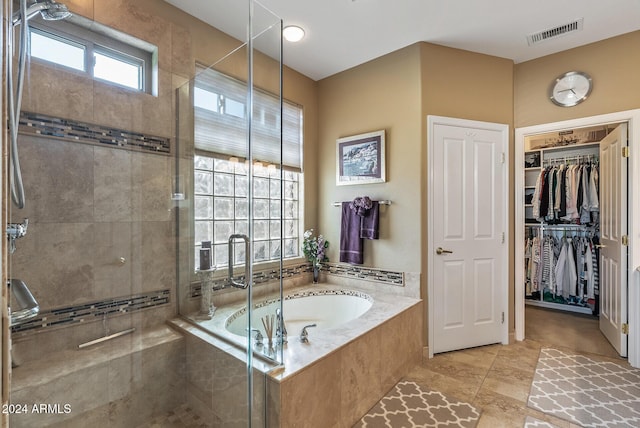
228, 187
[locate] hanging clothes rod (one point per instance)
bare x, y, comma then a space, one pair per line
385, 202
564, 159
560, 226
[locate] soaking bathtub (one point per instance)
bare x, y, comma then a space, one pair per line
365, 341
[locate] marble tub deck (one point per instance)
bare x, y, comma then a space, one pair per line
298, 355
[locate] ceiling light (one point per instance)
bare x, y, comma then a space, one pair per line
293, 33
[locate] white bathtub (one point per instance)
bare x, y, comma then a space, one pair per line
327, 309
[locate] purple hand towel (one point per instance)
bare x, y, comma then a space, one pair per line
350, 240
370, 221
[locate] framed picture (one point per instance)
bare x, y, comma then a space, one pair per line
360, 159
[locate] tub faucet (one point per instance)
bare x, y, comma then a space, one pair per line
281, 330
258, 337
304, 335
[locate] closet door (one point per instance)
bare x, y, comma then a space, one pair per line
613, 226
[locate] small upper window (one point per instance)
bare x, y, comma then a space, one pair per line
101, 57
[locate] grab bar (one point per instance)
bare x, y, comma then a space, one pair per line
28, 305
239, 284
105, 338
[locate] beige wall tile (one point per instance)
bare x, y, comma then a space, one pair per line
56, 91
56, 263
125, 16
152, 256
182, 61
151, 187
112, 181
58, 180
112, 277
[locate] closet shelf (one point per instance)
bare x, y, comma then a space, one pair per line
560, 306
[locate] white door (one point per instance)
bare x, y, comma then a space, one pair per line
468, 258
613, 226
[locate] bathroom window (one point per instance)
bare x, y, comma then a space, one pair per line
221, 171
221, 209
100, 56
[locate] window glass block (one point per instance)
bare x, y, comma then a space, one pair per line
260, 208
242, 186
202, 162
242, 208
274, 229
239, 254
274, 173
223, 208
261, 187
242, 227
274, 189
223, 184
221, 255
275, 249
260, 171
261, 250
290, 209
222, 230
222, 165
290, 190
202, 231
203, 206
290, 176
261, 229
275, 208
203, 183
290, 247
241, 168
290, 228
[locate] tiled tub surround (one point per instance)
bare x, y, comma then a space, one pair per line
335, 378
121, 382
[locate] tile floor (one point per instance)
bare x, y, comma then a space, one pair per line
496, 379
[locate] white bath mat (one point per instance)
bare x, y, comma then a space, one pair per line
408, 405
586, 392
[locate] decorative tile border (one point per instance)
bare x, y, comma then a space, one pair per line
299, 295
369, 274
347, 271
94, 310
72, 130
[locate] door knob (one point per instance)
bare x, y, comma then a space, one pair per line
440, 250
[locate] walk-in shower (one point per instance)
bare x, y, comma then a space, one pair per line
50, 11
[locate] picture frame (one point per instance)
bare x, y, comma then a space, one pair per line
360, 159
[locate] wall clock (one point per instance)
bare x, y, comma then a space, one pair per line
570, 89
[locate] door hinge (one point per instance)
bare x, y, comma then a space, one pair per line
625, 328
503, 237
503, 157
625, 152
503, 318
625, 240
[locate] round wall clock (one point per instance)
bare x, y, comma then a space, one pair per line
570, 89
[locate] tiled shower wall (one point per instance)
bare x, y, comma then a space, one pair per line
101, 219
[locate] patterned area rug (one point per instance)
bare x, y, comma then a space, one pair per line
407, 405
532, 422
586, 392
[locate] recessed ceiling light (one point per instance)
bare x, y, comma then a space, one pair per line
293, 33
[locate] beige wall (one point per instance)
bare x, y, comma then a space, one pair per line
381, 94
396, 93
467, 85
613, 64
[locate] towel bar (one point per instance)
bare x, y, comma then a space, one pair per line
385, 202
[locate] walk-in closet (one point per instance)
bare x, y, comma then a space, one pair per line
575, 195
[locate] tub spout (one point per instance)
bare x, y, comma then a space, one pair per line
304, 335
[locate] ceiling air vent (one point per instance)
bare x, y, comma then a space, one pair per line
552, 33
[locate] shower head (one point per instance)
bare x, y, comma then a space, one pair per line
55, 11
49, 10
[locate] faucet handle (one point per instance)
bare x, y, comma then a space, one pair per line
258, 337
304, 335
